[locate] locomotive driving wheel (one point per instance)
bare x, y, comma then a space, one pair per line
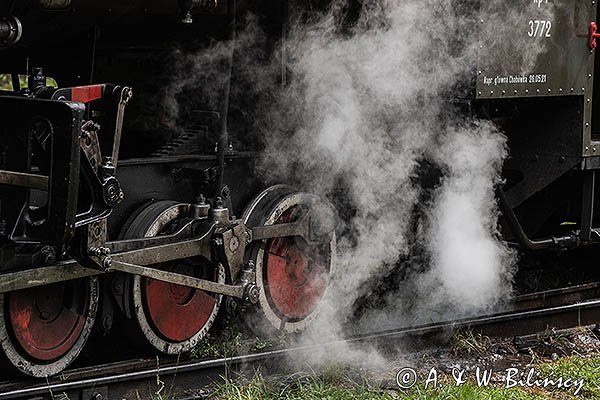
292, 275
43, 329
173, 318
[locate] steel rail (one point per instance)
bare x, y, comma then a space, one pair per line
511, 323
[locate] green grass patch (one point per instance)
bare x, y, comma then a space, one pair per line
587, 368
469, 391
328, 385
217, 347
339, 383
231, 342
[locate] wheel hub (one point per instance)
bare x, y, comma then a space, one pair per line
48, 303
43, 321
177, 312
296, 274
181, 294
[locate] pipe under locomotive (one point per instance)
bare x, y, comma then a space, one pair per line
102, 203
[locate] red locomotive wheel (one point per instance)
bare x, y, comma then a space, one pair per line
177, 312
296, 276
173, 318
47, 321
292, 276
43, 329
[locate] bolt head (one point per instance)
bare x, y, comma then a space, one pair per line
252, 294
234, 244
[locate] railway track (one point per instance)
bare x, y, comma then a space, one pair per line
144, 378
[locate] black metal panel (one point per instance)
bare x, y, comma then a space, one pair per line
544, 140
535, 48
57, 156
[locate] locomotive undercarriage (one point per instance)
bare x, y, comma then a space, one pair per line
89, 238
171, 256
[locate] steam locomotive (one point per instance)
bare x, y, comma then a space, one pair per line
107, 213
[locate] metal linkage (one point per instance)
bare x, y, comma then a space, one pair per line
47, 125
178, 279
22, 179
67, 270
133, 256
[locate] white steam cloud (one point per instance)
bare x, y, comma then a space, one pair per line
367, 105
470, 266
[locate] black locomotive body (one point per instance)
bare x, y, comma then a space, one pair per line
104, 200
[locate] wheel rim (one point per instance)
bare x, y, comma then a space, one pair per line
292, 277
173, 318
296, 276
43, 329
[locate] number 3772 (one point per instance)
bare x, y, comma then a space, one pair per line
539, 28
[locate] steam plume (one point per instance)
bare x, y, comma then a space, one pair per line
367, 106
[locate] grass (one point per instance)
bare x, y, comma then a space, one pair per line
338, 384
316, 388
214, 347
587, 368
304, 387
231, 342
6, 82
467, 343
468, 392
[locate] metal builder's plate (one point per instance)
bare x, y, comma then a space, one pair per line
534, 48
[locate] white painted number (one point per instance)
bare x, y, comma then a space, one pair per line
539, 28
